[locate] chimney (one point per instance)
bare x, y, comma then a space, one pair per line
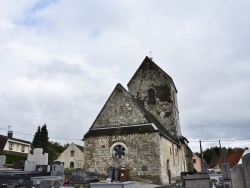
10, 134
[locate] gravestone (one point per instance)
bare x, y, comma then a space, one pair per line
197, 180
45, 184
238, 177
38, 157
2, 160
226, 175
57, 170
29, 166
246, 168
27, 183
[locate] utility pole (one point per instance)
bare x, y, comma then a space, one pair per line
220, 149
202, 165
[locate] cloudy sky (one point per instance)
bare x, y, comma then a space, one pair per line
60, 60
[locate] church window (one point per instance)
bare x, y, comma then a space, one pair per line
119, 150
151, 96
194, 160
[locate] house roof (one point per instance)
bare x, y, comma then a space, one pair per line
4, 139
153, 65
130, 129
213, 163
232, 158
80, 147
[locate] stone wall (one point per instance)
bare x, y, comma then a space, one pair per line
118, 111
142, 155
173, 159
150, 76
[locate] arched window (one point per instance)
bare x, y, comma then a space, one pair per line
151, 96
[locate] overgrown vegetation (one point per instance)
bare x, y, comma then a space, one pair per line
10, 159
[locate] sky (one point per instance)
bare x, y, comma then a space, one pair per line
60, 60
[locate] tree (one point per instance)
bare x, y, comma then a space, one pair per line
44, 139
37, 140
55, 149
41, 139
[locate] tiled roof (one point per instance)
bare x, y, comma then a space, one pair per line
232, 158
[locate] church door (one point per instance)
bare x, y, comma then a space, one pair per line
168, 172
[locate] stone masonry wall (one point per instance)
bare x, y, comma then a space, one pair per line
142, 155
166, 108
176, 157
119, 111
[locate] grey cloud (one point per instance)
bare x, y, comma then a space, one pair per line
88, 47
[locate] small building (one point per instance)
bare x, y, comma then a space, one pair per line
14, 146
72, 156
197, 163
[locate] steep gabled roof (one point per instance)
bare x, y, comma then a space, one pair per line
80, 147
232, 158
130, 128
148, 61
213, 163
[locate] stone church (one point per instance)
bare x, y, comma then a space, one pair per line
139, 129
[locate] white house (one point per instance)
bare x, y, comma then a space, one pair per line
14, 146
72, 156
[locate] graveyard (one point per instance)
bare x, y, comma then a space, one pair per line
36, 172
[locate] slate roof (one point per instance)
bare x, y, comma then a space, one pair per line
80, 147
131, 129
213, 163
152, 64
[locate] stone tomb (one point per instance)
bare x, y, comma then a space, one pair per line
2, 160
39, 159
57, 170
29, 166
81, 176
127, 184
